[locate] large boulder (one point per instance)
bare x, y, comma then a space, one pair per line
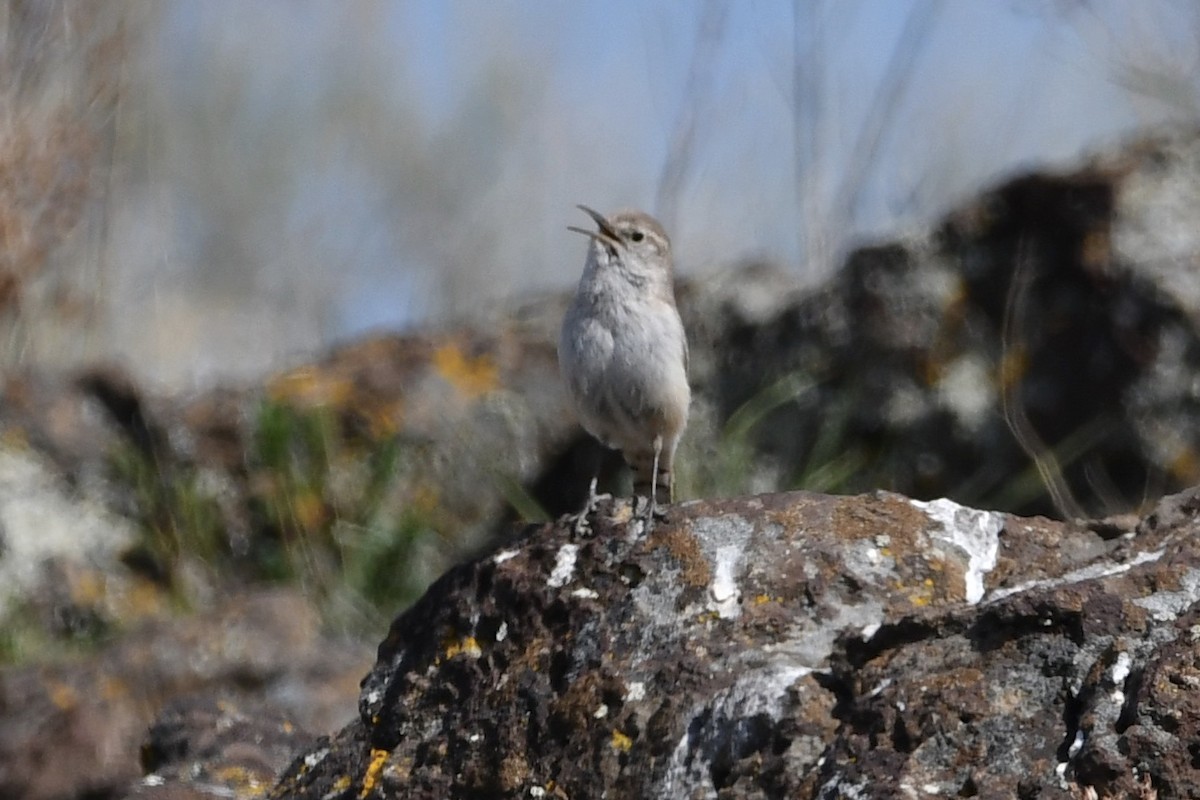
786, 646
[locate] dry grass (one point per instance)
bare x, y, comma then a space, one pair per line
60, 73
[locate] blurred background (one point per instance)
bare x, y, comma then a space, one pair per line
204, 191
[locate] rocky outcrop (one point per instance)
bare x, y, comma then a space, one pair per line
791, 646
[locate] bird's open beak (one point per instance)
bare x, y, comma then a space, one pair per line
606, 233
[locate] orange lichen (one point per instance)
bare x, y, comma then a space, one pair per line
471, 376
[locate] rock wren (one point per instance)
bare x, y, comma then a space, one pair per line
622, 350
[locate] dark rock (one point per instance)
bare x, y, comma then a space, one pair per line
1054, 316
790, 646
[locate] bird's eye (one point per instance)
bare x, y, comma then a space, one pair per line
637, 236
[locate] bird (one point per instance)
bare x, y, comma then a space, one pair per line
623, 352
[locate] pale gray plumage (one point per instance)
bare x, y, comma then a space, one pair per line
622, 350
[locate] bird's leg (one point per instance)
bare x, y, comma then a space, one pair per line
581, 519
653, 508
591, 460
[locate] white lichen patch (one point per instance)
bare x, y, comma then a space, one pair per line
973, 532
43, 520
505, 555
564, 566
1167, 606
869, 561
635, 692
759, 689
311, 760
585, 593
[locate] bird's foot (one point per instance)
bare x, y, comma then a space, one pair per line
582, 526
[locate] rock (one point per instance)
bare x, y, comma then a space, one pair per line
785, 646
74, 729
1052, 318
208, 749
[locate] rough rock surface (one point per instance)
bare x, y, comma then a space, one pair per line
75, 729
200, 749
791, 646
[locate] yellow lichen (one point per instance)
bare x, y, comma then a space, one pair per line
378, 757
466, 646
1013, 367
1185, 465
308, 387
471, 376
425, 499
620, 741
63, 696
309, 510
112, 687
239, 779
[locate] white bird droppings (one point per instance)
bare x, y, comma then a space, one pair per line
1120, 670
976, 533
724, 589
